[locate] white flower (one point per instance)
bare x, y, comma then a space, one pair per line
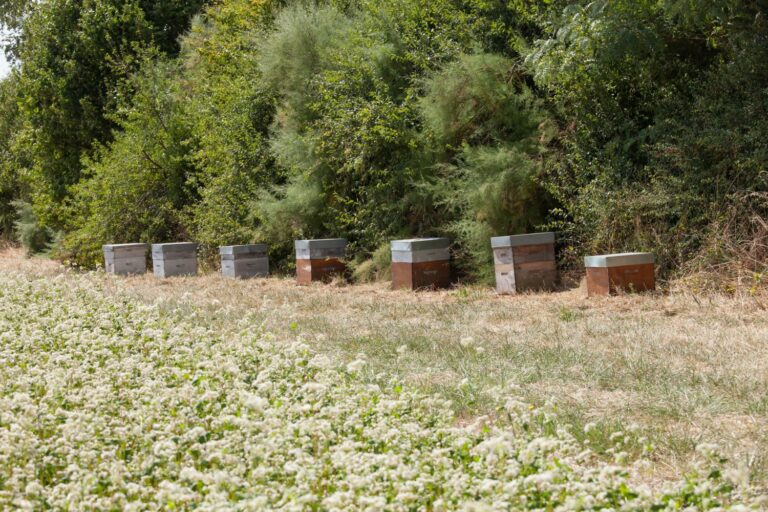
148, 407
255, 402
355, 366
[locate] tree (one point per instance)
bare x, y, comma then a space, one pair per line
76, 58
136, 187
10, 134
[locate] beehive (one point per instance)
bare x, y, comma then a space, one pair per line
421, 263
175, 259
524, 262
125, 259
631, 272
244, 261
320, 260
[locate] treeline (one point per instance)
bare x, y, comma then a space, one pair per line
623, 125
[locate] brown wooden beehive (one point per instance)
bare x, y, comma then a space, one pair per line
524, 262
421, 263
125, 259
320, 260
611, 273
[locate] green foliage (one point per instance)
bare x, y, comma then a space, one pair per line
478, 109
169, 19
137, 186
348, 122
624, 125
76, 57
378, 267
230, 111
32, 237
10, 133
660, 104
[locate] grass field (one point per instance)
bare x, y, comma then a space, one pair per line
666, 371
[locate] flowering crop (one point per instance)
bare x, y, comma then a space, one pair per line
109, 403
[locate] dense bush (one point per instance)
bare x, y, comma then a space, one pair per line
136, 187
27, 229
76, 56
661, 105
230, 113
486, 127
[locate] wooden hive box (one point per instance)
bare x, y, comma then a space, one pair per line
524, 262
421, 263
125, 259
630, 272
320, 260
174, 259
244, 261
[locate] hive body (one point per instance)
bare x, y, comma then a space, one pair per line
524, 262
125, 259
174, 259
611, 273
421, 263
244, 261
320, 260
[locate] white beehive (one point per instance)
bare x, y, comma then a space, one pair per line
174, 259
244, 261
125, 259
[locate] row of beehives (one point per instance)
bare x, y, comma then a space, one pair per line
523, 262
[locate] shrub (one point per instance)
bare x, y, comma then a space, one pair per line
137, 186
33, 237
487, 129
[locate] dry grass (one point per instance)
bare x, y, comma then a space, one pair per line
677, 369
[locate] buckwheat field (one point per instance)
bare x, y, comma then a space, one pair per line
113, 402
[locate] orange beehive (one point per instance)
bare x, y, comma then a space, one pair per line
320, 260
524, 262
630, 272
421, 263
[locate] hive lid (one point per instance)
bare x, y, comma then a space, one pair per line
174, 247
521, 240
619, 260
325, 243
112, 247
420, 244
243, 249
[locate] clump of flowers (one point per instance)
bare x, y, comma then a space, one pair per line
108, 403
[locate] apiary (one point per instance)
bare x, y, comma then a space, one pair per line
630, 272
244, 261
174, 259
421, 263
524, 262
320, 260
125, 259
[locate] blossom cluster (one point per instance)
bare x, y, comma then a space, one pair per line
110, 403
